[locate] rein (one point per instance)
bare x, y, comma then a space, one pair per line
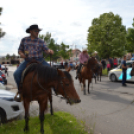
56, 89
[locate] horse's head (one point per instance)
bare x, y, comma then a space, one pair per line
66, 88
92, 62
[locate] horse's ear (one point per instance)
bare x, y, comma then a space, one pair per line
68, 69
59, 72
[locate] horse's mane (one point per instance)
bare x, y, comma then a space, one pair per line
47, 73
90, 58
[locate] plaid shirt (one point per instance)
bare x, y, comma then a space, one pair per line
35, 48
83, 58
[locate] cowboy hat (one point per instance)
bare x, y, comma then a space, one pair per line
84, 49
32, 27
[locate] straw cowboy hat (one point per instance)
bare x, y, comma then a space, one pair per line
32, 27
84, 49
95, 52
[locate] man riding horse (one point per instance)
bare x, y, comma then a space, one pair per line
31, 48
83, 58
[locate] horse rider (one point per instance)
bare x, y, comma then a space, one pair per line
31, 48
83, 58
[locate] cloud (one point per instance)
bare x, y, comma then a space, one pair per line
67, 20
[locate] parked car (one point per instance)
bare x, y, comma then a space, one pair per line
116, 74
9, 108
2, 67
3, 79
57, 65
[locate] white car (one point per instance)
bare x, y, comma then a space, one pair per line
9, 108
116, 74
2, 67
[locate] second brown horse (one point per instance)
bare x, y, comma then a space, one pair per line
87, 73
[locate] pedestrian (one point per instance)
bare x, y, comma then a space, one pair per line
6, 72
71, 65
115, 62
124, 68
108, 67
111, 62
0, 67
31, 48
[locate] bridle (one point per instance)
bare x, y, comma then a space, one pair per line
91, 67
56, 90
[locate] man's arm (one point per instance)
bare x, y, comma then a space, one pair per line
21, 49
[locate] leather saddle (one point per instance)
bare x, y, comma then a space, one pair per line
24, 73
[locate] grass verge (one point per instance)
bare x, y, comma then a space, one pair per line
104, 72
59, 123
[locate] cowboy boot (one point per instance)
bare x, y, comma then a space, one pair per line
18, 99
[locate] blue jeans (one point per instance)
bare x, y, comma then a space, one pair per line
17, 74
124, 77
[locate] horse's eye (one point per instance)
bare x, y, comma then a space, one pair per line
67, 84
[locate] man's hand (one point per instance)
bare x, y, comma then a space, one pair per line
50, 51
85, 63
22, 55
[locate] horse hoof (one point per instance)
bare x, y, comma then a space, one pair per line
26, 129
81, 87
42, 131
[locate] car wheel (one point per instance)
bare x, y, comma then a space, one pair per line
113, 78
3, 118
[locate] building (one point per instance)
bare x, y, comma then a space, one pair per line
74, 56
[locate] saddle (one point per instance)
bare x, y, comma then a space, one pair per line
24, 73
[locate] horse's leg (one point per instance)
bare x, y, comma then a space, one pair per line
88, 87
100, 75
43, 106
95, 78
51, 106
26, 106
84, 86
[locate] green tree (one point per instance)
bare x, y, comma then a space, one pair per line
46, 38
1, 32
50, 42
8, 56
130, 38
107, 36
64, 52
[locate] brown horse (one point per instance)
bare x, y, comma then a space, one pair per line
97, 71
37, 85
87, 73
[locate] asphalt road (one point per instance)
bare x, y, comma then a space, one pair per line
108, 109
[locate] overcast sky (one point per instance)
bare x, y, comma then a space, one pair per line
67, 20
